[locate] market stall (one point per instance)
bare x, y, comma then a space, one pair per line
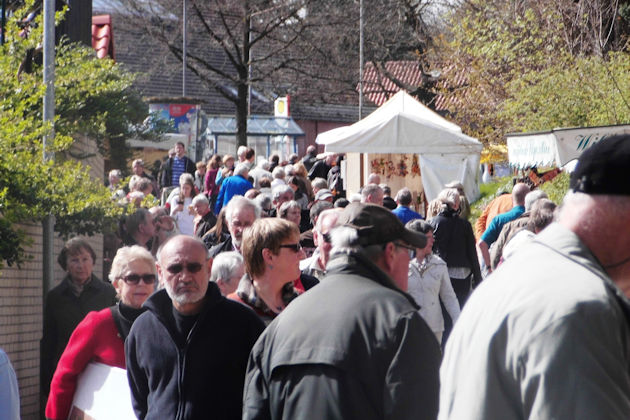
409, 145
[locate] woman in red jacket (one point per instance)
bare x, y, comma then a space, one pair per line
101, 335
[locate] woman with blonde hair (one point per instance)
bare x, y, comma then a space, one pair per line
272, 253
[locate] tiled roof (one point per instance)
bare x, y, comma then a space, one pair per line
378, 88
449, 102
103, 36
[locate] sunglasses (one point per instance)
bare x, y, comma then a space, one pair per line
293, 247
134, 279
327, 237
178, 268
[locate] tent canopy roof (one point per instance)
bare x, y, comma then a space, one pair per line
401, 125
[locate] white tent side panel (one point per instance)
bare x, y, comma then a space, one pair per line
439, 169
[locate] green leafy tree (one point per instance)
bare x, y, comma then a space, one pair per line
524, 65
94, 98
585, 91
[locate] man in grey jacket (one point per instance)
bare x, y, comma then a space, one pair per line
547, 335
354, 347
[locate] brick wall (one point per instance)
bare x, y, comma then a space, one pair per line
21, 302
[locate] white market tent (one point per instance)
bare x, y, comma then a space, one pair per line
404, 125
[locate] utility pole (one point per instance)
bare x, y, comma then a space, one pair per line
360, 59
184, 31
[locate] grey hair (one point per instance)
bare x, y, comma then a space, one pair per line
133, 181
449, 197
284, 208
225, 264
264, 164
403, 196
532, 197
264, 201
368, 190
116, 173
278, 173
127, 254
281, 189
200, 198
134, 220
241, 169
289, 170
345, 240
239, 202
319, 183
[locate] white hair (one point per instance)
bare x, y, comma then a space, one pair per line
532, 197
278, 173
225, 264
449, 197
238, 202
127, 254
278, 190
200, 198
241, 169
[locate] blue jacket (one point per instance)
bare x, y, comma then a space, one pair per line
204, 377
234, 185
405, 214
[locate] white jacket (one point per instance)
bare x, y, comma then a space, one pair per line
428, 282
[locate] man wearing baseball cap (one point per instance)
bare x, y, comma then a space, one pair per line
547, 335
354, 347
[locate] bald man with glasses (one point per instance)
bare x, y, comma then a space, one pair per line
175, 367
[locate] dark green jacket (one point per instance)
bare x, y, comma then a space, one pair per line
354, 347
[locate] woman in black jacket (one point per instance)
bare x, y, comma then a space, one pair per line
455, 244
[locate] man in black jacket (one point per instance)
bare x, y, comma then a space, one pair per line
355, 346
187, 354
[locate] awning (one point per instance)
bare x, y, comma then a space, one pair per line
558, 146
257, 126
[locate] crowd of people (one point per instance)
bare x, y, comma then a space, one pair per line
261, 291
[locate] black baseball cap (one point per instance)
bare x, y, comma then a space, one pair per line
378, 225
604, 167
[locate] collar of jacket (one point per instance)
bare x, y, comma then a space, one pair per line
66, 284
160, 304
355, 263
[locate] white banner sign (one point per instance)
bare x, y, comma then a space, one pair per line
556, 147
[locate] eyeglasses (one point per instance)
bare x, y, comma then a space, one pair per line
134, 279
178, 268
411, 250
293, 247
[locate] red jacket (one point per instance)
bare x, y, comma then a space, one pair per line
95, 339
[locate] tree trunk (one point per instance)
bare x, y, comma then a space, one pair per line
241, 114
242, 104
